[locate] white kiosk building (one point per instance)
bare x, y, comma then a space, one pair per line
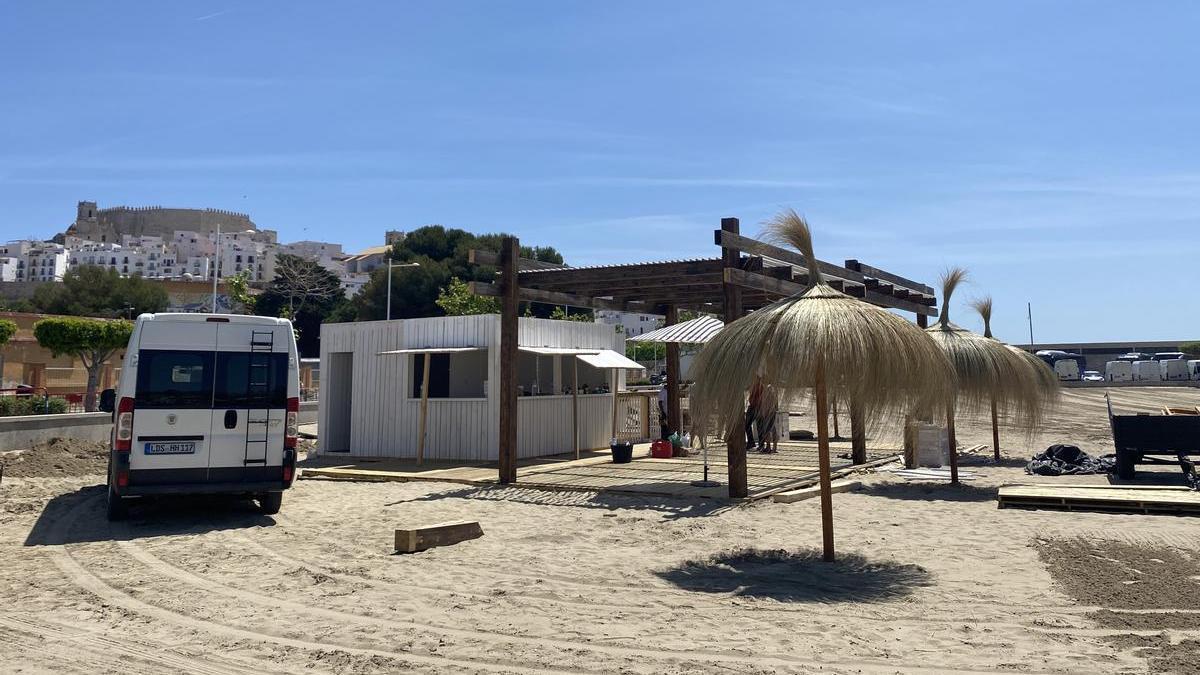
429, 388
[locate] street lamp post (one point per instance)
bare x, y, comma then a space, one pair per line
391, 266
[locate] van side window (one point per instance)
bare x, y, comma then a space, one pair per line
168, 378
251, 380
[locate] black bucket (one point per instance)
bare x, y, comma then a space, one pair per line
622, 453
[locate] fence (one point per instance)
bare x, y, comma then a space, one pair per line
637, 416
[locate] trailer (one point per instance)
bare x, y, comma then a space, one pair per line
1145, 438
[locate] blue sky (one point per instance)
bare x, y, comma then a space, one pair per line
1050, 147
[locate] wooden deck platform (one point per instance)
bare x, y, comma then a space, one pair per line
1127, 498
794, 466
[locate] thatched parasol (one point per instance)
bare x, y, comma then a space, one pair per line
988, 373
822, 340
1044, 382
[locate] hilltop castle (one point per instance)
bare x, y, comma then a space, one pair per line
108, 225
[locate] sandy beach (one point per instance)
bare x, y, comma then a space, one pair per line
930, 578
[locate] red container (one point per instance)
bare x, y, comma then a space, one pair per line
661, 450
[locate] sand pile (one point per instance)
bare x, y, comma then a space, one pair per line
56, 458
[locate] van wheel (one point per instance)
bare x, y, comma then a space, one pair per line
270, 502
116, 509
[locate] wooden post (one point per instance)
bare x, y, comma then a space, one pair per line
836, 433
510, 248
674, 412
953, 442
910, 442
995, 432
735, 438
424, 409
614, 395
575, 403
823, 466
922, 321
858, 434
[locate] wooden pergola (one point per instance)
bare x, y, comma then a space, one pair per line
749, 274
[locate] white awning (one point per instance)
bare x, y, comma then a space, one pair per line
694, 332
557, 351
433, 350
607, 358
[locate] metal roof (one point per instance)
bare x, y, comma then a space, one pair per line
694, 332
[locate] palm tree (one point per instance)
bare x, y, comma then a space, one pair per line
823, 340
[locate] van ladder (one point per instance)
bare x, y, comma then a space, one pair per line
258, 388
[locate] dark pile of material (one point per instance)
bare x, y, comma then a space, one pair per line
1059, 460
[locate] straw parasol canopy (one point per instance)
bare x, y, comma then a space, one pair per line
1044, 382
987, 372
823, 340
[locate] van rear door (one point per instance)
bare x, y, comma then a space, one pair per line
173, 403
249, 402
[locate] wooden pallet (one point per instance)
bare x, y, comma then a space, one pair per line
1138, 499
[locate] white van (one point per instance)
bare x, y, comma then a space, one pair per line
1174, 370
1147, 371
206, 403
1118, 371
1067, 369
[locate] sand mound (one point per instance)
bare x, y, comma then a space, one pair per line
55, 458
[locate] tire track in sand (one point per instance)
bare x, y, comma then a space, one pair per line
62, 558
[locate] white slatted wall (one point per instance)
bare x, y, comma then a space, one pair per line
385, 421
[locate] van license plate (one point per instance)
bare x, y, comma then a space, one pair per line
175, 448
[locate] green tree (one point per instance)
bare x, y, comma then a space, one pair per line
238, 287
442, 254
7, 330
90, 290
304, 292
456, 299
565, 314
1190, 348
92, 341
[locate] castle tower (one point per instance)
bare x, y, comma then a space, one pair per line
86, 211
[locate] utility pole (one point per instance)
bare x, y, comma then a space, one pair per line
389, 284
216, 267
1029, 308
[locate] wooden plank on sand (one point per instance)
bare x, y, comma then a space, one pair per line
810, 492
442, 534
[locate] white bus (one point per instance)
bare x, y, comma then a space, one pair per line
206, 403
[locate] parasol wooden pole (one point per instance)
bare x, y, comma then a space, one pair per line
953, 443
575, 403
995, 432
823, 463
424, 410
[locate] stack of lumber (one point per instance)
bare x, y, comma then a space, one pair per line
1127, 498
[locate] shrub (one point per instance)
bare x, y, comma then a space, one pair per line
1191, 348
12, 406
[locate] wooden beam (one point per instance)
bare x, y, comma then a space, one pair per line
491, 259
729, 240
556, 298
510, 248
882, 275
647, 273
735, 438
674, 414
782, 288
443, 534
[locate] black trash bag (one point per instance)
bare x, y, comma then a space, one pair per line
1060, 459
